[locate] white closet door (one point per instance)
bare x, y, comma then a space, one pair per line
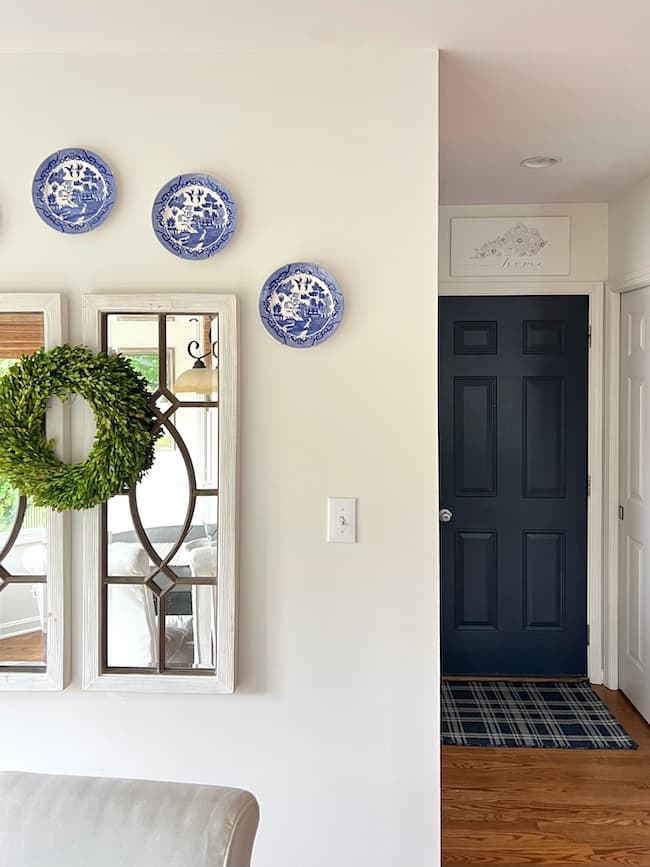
634, 526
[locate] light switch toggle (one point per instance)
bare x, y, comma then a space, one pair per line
342, 519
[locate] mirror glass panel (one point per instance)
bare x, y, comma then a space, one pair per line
191, 607
163, 500
23, 640
23, 550
132, 631
160, 540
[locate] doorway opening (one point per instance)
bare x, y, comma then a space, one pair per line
519, 563
513, 404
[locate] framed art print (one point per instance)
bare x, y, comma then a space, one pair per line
510, 246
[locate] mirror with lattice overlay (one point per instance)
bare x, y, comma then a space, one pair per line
163, 576
33, 647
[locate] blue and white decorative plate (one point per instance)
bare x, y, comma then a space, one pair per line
73, 190
301, 304
194, 216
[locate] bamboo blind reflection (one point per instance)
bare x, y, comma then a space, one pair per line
20, 334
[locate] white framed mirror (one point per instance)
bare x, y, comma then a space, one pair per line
34, 640
160, 558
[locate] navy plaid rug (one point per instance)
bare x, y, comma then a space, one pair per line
510, 714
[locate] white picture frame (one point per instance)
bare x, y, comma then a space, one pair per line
510, 246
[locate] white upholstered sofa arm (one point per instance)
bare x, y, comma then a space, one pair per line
61, 821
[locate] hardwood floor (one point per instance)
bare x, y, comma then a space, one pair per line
518, 806
23, 648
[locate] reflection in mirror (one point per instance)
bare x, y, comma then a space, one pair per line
23, 635
199, 428
132, 634
9, 504
163, 499
195, 339
190, 627
27, 555
137, 338
179, 638
127, 555
161, 538
23, 549
202, 555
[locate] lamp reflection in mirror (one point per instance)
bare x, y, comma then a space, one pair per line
199, 379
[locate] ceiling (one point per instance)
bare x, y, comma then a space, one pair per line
568, 78
592, 112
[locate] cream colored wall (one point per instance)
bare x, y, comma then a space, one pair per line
629, 269
588, 228
629, 244
331, 154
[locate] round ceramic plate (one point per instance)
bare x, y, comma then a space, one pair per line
194, 216
301, 304
73, 190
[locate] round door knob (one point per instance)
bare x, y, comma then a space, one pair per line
445, 515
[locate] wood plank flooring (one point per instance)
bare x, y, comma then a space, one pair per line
552, 807
23, 648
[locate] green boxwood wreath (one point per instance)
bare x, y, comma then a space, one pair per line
124, 445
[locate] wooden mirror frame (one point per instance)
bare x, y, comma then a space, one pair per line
55, 673
96, 675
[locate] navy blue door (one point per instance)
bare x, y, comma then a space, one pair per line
513, 473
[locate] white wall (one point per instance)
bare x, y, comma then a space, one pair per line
629, 268
629, 236
331, 154
588, 227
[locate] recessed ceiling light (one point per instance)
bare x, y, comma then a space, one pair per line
539, 162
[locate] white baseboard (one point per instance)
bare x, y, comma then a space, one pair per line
13, 628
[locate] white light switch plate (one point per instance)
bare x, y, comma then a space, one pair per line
342, 519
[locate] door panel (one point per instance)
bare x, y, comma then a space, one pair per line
544, 436
475, 446
513, 442
544, 579
634, 531
475, 580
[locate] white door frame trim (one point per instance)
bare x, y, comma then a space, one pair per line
614, 290
611, 493
600, 615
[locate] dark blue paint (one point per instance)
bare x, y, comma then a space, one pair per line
513, 470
